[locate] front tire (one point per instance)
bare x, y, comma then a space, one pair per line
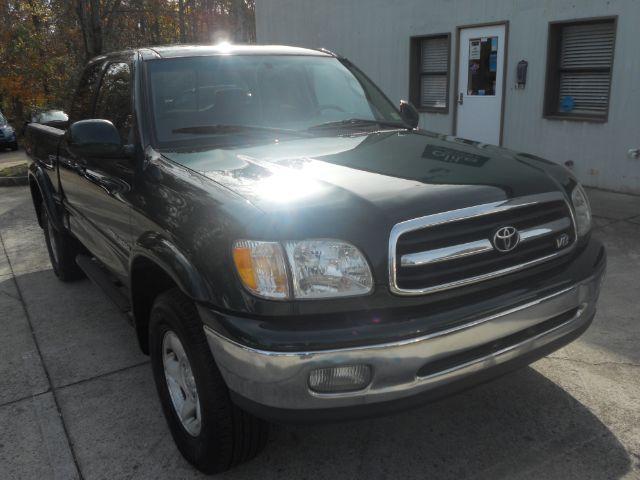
211, 432
62, 248
14, 146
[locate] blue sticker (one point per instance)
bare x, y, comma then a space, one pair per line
494, 44
568, 103
493, 62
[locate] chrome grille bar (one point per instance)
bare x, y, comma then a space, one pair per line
544, 230
445, 254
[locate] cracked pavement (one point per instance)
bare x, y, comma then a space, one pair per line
77, 400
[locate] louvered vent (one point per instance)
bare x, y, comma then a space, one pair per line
586, 58
434, 67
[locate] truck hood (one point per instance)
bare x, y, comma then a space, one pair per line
381, 177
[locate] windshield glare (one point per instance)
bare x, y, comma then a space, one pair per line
285, 92
53, 116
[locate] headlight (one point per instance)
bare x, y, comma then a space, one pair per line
261, 267
319, 269
328, 268
582, 210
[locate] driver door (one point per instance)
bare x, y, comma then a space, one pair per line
101, 203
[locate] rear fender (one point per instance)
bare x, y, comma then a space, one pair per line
42, 191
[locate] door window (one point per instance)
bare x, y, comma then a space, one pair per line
483, 66
82, 106
114, 98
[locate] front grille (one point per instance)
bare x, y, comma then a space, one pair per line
456, 248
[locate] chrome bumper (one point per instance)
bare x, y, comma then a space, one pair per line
280, 379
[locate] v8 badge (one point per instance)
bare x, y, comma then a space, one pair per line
562, 241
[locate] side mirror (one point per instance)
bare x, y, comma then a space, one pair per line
409, 114
95, 138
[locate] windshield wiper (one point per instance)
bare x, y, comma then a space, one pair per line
356, 123
230, 128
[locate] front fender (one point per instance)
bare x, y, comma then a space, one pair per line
160, 251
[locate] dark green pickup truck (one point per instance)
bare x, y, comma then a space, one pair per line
289, 246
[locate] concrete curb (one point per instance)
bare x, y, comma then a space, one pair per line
13, 181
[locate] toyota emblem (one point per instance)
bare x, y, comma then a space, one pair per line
506, 239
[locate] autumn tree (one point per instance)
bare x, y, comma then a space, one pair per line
45, 43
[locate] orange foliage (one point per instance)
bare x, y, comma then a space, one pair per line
45, 43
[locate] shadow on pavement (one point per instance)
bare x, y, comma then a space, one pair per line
520, 426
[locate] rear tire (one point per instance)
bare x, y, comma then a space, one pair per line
220, 435
62, 248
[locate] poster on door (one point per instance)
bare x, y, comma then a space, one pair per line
474, 50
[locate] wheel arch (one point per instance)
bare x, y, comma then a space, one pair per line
42, 194
156, 266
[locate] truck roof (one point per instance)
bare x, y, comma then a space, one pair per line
227, 48
177, 51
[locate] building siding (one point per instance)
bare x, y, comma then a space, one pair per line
375, 34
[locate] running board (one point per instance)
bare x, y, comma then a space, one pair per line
106, 283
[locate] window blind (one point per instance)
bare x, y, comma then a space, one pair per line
586, 58
434, 67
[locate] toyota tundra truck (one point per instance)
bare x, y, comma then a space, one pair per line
289, 246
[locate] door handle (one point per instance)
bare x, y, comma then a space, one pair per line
634, 153
460, 98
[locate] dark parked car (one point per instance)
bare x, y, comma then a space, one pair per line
288, 245
7, 134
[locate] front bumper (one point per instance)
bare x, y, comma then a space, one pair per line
407, 368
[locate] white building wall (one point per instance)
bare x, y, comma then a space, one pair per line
375, 35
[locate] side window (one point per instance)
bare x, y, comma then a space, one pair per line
114, 98
82, 105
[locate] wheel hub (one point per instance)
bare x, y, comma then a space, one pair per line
181, 383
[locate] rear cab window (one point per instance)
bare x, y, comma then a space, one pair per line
114, 98
82, 105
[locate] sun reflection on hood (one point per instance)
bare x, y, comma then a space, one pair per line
277, 173
286, 186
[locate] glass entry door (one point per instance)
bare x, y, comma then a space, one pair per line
479, 94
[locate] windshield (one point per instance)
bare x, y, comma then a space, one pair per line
3, 121
193, 99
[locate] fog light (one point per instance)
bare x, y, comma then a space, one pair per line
346, 378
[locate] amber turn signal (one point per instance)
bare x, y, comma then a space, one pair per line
261, 268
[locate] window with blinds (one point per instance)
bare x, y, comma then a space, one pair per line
579, 69
430, 72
